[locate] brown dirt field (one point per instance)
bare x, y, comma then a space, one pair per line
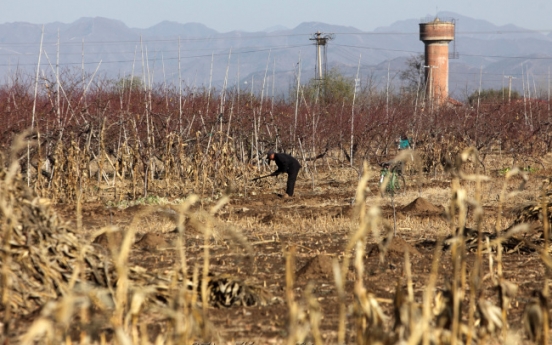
318, 222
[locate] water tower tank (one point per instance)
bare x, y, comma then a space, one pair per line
436, 35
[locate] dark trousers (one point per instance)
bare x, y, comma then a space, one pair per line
292, 176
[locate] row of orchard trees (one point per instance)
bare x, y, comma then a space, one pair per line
137, 140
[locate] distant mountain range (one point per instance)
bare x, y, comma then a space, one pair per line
488, 54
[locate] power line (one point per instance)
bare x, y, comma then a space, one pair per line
463, 54
225, 53
494, 32
222, 36
237, 50
253, 49
382, 49
511, 57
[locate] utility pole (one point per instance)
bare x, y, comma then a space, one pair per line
320, 40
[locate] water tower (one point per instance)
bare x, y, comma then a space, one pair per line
437, 35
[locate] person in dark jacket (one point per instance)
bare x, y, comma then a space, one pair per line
288, 165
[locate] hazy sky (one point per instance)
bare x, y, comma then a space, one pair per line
256, 15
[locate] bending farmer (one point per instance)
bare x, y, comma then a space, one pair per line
288, 165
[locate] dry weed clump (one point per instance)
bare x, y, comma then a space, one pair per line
75, 170
48, 268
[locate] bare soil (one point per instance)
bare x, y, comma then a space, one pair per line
421, 206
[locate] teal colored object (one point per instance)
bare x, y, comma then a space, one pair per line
404, 144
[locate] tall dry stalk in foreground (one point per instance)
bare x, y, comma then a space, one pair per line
356, 236
315, 314
9, 224
290, 296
